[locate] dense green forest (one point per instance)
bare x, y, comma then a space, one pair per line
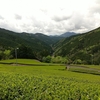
82, 48
77, 49
30, 45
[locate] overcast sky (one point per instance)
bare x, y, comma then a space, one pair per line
51, 17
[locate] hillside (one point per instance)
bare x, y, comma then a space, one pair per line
10, 40
13, 39
67, 34
80, 48
84, 47
50, 40
38, 44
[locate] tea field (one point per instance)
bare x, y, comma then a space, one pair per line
45, 82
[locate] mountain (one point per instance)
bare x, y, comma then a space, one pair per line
47, 39
11, 40
78, 48
84, 47
40, 44
68, 34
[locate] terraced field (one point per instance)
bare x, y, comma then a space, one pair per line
33, 80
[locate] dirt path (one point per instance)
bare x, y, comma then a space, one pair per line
84, 68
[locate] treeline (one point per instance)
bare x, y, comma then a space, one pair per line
61, 60
87, 59
22, 51
5, 54
26, 52
58, 59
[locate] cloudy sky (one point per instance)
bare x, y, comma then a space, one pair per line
51, 17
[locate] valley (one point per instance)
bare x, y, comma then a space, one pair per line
38, 71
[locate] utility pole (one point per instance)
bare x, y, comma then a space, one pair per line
16, 54
92, 57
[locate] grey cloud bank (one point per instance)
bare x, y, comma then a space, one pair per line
50, 17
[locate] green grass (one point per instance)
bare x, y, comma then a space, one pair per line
49, 82
91, 66
23, 61
89, 69
26, 62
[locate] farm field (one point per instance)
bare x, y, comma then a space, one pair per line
46, 82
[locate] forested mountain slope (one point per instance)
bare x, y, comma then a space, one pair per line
50, 40
84, 47
81, 48
10, 40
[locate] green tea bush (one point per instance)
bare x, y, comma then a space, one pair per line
36, 87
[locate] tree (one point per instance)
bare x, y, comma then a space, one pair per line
7, 54
78, 61
24, 52
59, 59
47, 59
1, 55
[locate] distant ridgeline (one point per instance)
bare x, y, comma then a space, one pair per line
66, 48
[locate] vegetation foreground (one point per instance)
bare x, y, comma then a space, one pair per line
49, 82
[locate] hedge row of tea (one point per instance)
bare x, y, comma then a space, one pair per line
14, 86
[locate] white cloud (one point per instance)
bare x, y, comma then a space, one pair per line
49, 16
1, 17
18, 17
